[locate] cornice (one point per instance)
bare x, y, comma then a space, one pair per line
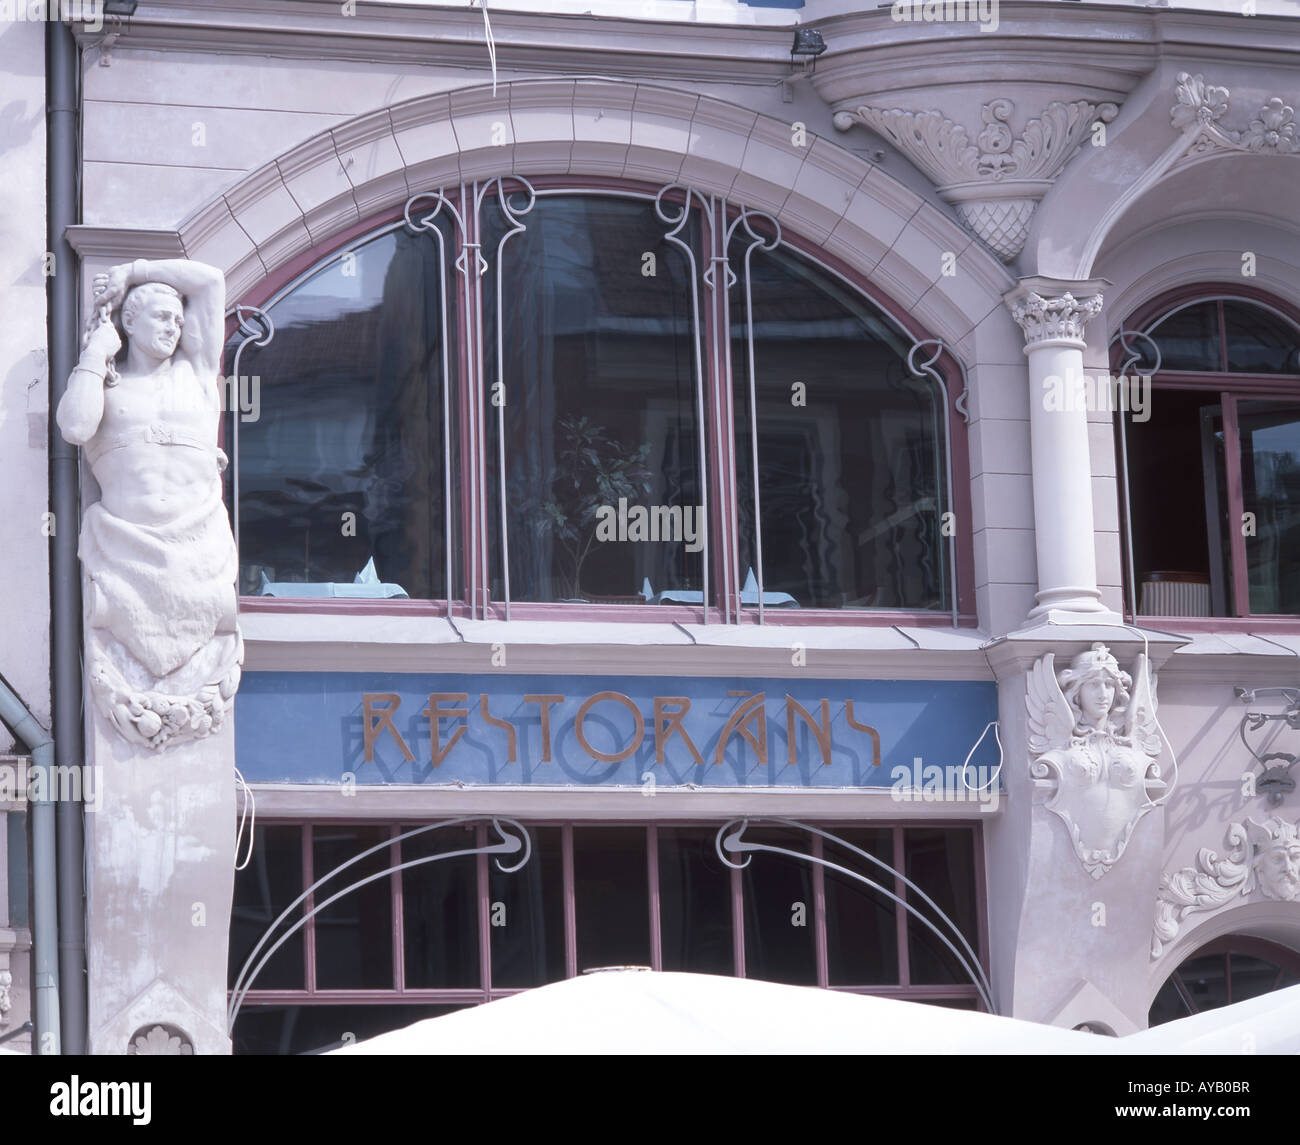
124, 242
453, 37
1109, 46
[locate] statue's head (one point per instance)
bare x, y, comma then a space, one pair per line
152, 316
1275, 858
1095, 686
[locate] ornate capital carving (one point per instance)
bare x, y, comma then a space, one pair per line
1260, 858
1046, 319
1093, 734
1200, 107
995, 182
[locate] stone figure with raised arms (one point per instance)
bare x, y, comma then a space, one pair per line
144, 401
1094, 738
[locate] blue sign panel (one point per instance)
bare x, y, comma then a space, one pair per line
367, 728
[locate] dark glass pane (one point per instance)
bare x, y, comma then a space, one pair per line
1269, 433
440, 911
315, 1029
851, 474
694, 902
1251, 976
354, 936
527, 916
1259, 342
601, 457
16, 834
1206, 981
1168, 1005
861, 923
779, 911
341, 471
1189, 338
612, 893
264, 888
941, 861
1173, 552
952, 1003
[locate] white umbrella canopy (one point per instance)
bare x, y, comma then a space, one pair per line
644, 1012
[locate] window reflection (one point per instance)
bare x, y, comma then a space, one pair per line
851, 477
341, 474
600, 414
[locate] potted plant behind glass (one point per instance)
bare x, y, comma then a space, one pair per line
592, 469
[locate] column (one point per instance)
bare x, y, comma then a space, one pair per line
1052, 315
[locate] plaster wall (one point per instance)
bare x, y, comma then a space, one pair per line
24, 565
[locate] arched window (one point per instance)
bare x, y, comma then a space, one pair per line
1227, 970
522, 396
1208, 431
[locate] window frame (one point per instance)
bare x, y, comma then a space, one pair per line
312, 995
1285, 958
720, 417
1231, 389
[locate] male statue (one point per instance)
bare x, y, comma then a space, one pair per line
163, 646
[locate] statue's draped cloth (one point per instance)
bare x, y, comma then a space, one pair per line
162, 590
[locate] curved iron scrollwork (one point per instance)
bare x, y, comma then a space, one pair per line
730, 841
509, 844
1275, 779
256, 328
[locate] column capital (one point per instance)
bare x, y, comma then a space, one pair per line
1053, 311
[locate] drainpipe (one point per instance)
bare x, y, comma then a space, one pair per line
45, 928
63, 191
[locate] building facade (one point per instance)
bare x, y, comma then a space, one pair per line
644, 419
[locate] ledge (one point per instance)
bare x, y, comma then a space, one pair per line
124, 242
290, 642
322, 802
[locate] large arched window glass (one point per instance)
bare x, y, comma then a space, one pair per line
536, 396
1209, 433
340, 460
850, 445
601, 455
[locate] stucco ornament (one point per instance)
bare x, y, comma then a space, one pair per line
1260, 858
996, 182
160, 1041
1202, 106
6, 1001
1049, 319
163, 648
1093, 733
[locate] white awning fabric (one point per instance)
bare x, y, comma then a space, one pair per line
642, 1012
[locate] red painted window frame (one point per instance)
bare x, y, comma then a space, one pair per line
718, 413
1231, 388
310, 994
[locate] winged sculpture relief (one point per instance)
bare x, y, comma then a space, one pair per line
1094, 739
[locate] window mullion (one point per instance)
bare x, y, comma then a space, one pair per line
1236, 506
719, 408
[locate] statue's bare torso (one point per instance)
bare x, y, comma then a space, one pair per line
155, 451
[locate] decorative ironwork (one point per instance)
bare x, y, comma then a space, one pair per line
427, 222
1275, 780
258, 329
677, 224
509, 845
729, 841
